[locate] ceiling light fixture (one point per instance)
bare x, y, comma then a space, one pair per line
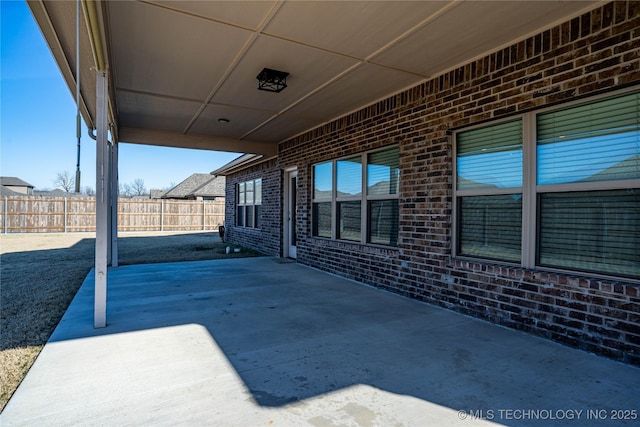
272, 80
223, 120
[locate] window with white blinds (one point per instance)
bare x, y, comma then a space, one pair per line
593, 147
322, 199
564, 195
356, 198
490, 157
599, 141
489, 160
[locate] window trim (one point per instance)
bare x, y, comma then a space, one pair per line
364, 198
530, 189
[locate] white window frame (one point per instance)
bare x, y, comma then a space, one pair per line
530, 189
364, 198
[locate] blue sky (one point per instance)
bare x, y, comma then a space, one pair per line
38, 113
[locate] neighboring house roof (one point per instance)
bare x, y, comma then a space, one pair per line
239, 163
156, 194
188, 186
12, 181
213, 188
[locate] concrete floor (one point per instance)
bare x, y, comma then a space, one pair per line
256, 342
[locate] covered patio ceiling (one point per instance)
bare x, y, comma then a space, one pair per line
176, 67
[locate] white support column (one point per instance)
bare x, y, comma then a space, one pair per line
113, 175
102, 203
107, 191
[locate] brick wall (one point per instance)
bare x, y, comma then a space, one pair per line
266, 239
591, 54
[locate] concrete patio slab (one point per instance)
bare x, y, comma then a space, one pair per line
255, 342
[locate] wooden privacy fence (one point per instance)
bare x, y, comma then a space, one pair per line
58, 214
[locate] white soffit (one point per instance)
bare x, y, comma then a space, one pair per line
308, 69
472, 30
354, 28
162, 52
154, 112
176, 67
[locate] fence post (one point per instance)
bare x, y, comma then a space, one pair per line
64, 217
6, 213
161, 214
204, 223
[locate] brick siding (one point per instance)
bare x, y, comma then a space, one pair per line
266, 239
591, 54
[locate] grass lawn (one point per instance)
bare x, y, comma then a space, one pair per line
40, 274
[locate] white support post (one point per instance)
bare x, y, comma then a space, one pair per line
113, 175
102, 203
107, 191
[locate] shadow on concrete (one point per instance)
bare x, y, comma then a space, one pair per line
292, 333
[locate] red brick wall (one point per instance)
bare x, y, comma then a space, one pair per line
266, 239
591, 54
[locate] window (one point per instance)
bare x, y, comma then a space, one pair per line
383, 178
356, 198
563, 194
249, 197
349, 198
322, 199
489, 182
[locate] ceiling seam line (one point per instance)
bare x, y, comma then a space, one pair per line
236, 61
309, 94
195, 15
443, 11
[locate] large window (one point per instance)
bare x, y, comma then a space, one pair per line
558, 188
489, 183
249, 201
343, 211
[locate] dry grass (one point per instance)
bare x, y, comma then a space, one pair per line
41, 273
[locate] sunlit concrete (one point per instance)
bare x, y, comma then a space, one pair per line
256, 342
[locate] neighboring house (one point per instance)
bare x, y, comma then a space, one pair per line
507, 188
199, 186
5, 192
22, 188
156, 194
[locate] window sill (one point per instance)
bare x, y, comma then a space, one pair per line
481, 264
352, 243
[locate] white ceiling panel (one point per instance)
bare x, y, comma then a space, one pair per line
470, 30
153, 112
365, 84
247, 14
365, 26
241, 121
281, 128
308, 69
158, 51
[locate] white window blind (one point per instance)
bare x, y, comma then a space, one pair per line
599, 141
490, 157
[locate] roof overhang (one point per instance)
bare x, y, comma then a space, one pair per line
183, 74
